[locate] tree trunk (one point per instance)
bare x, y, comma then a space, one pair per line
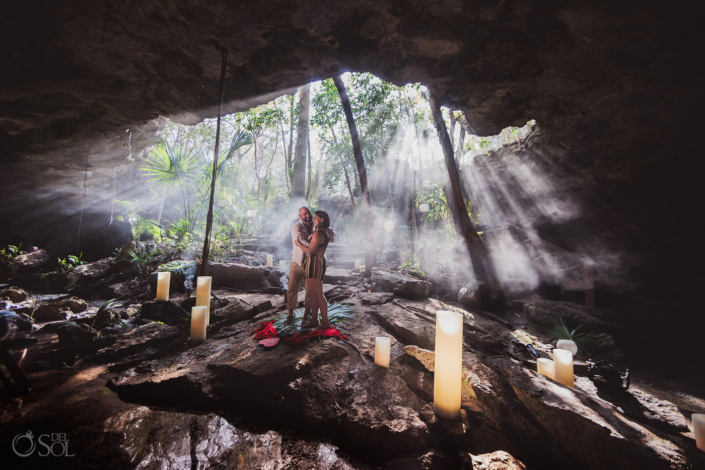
209, 217
310, 169
287, 160
459, 150
350, 191
479, 255
452, 129
161, 207
290, 152
345, 171
298, 182
370, 256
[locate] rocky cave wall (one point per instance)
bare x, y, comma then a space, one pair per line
611, 85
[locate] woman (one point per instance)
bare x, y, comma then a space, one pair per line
315, 267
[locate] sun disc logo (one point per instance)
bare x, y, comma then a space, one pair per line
54, 444
20, 447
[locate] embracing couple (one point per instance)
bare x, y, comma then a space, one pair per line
310, 235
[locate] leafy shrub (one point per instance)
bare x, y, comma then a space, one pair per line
69, 263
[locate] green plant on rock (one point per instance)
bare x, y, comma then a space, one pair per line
560, 327
141, 228
107, 306
10, 252
142, 258
178, 266
413, 265
70, 263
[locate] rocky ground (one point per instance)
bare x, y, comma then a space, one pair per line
129, 390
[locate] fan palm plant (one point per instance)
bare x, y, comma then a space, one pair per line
240, 139
560, 327
340, 316
171, 166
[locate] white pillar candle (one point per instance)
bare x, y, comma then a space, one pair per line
448, 369
198, 323
567, 344
564, 367
163, 281
270, 260
382, 347
203, 294
699, 430
282, 264
357, 265
546, 367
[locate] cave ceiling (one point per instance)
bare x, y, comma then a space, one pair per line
611, 83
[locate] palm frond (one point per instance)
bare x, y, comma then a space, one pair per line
339, 315
567, 328
240, 139
169, 166
177, 266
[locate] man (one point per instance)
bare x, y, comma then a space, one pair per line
300, 230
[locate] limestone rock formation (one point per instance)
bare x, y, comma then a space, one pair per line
28, 263
401, 284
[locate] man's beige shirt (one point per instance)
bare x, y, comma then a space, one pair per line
299, 230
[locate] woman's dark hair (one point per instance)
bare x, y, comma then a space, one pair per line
326, 219
326, 224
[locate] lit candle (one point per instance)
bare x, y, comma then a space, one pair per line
282, 264
699, 430
564, 367
448, 369
203, 294
546, 367
357, 265
163, 280
382, 347
270, 260
199, 315
567, 344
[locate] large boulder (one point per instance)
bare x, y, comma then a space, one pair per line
593, 319
498, 460
330, 386
338, 275
479, 294
10, 321
169, 312
60, 310
170, 439
151, 335
401, 284
408, 328
240, 276
594, 432
79, 339
15, 294
28, 263
90, 273
237, 310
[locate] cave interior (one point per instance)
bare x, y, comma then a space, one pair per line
605, 175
